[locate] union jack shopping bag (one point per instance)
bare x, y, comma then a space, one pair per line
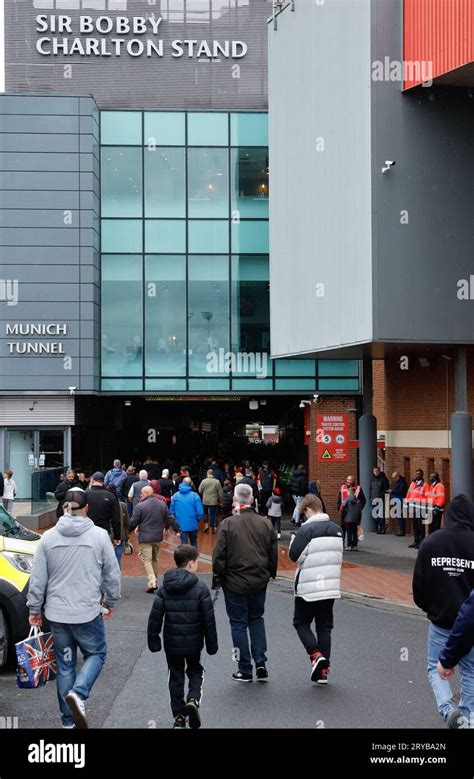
36, 658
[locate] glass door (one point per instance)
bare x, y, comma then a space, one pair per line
50, 451
22, 461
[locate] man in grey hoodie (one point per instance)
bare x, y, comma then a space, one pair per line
76, 577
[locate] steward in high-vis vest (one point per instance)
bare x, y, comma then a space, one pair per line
436, 502
417, 502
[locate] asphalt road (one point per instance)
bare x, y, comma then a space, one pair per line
371, 684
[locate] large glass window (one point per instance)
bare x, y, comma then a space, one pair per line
165, 235
249, 171
208, 236
165, 315
121, 127
250, 326
250, 237
121, 235
164, 128
249, 129
208, 129
185, 276
122, 315
208, 183
121, 181
165, 182
208, 315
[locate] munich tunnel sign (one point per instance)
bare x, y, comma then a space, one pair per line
333, 438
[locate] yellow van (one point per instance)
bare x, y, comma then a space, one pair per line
17, 547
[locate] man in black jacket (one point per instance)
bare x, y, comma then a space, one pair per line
298, 488
245, 558
104, 509
185, 604
68, 483
267, 485
443, 578
378, 487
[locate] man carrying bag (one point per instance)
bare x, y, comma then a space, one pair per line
74, 564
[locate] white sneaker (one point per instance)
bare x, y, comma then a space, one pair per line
68, 727
78, 710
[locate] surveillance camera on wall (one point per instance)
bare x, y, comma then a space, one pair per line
388, 164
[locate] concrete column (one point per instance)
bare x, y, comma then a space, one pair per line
461, 431
367, 442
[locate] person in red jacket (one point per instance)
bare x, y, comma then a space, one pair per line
436, 502
417, 501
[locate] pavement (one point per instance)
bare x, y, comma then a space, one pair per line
378, 673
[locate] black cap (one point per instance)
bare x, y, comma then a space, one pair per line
98, 476
75, 499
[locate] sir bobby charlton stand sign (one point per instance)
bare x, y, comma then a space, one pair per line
101, 37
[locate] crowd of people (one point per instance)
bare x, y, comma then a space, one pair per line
76, 582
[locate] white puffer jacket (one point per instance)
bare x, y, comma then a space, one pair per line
317, 548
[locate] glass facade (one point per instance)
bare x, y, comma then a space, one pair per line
185, 269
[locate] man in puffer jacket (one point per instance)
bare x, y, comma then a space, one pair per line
185, 604
317, 548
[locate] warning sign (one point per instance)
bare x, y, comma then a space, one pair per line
333, 437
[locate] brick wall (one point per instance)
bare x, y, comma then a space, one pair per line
331, 474
379, 393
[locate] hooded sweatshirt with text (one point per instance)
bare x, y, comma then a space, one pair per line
444, 570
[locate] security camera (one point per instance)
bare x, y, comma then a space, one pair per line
388, 164
301, 404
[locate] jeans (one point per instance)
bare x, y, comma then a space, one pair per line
194, 672
210, 514
129, 505
119, 553
90, 638
297, 512
245, 613
189, 537
8, 504
437, 638
321, 612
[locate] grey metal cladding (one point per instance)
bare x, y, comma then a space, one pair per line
422, 208
10, 123
39, 236
36, 199
45, 142
34, 218
319, 119
44, 243
146, 82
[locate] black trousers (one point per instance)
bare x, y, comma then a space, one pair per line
352, 537
418, 529
176, 671
262, 501
435, 521
321, 612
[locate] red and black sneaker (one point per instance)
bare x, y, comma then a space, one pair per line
324, 676
318, 665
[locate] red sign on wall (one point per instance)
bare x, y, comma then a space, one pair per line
333, 438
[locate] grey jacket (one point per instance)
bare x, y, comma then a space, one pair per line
73, 565
136, 489
151, 515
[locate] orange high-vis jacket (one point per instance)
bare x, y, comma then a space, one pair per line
417, 494
437, 495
